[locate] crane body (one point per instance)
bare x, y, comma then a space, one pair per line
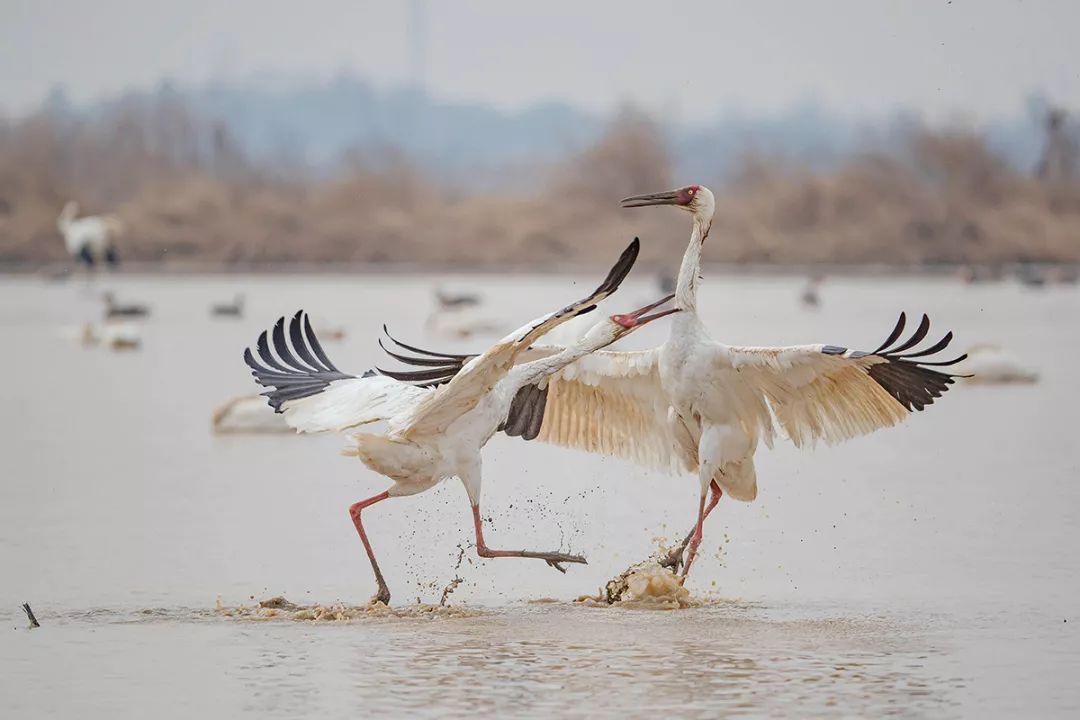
696, 405
436, 432
89, 239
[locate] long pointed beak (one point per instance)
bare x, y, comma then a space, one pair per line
642, 318
668, 197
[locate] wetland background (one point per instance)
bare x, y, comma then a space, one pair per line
357, 160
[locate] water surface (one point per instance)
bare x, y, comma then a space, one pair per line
929, 570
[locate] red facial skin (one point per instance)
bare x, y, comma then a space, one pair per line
686, 195
627, 321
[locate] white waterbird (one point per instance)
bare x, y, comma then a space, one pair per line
695, 405
89, 239
432, 433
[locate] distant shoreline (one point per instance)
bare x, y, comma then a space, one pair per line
360, 268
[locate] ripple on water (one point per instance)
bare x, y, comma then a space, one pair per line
552, 658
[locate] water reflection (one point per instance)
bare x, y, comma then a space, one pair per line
566, 660
560, 659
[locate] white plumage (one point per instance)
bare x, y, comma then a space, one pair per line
89, 239
989, 364
352, 402
112, 334
431, 433
696, 405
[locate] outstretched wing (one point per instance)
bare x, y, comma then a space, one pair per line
527, 409
612, 403
831, 393
608, 403
311, 392
479, 375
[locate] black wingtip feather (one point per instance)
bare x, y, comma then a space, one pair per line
289, 378
416, 361
300, 345
916, 337
935, 348
446, 365
316, 346
621, 268
907, 378
429, 353
893, 335
434, 376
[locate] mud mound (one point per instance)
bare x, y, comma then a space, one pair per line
278, 608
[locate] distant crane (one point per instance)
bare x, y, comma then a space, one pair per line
446, 299
460, 315
433, 432
112, 335
811, 295
114, 309
247, 414
89, 239
697, 405
233, 309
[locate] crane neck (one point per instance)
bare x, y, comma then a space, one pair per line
690, 271
597, 338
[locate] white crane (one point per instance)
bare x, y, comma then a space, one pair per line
433, 433
697, 405
115, 309
247, 414
225, 309
89, 239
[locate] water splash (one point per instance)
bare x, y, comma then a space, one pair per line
646, 585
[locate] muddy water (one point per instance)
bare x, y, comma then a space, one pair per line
931, 570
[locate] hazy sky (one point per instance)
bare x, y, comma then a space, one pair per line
691, 59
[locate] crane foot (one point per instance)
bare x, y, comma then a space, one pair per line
383, 595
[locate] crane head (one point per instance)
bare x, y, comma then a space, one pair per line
638, 318
689, 197
608, 331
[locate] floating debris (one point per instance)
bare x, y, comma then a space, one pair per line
30, 616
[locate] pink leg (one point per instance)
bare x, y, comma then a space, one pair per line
552, 559
717, 493
383, 595
693, 538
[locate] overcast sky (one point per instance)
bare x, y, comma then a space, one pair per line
966, 59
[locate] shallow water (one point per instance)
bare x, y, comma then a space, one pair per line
929, 570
